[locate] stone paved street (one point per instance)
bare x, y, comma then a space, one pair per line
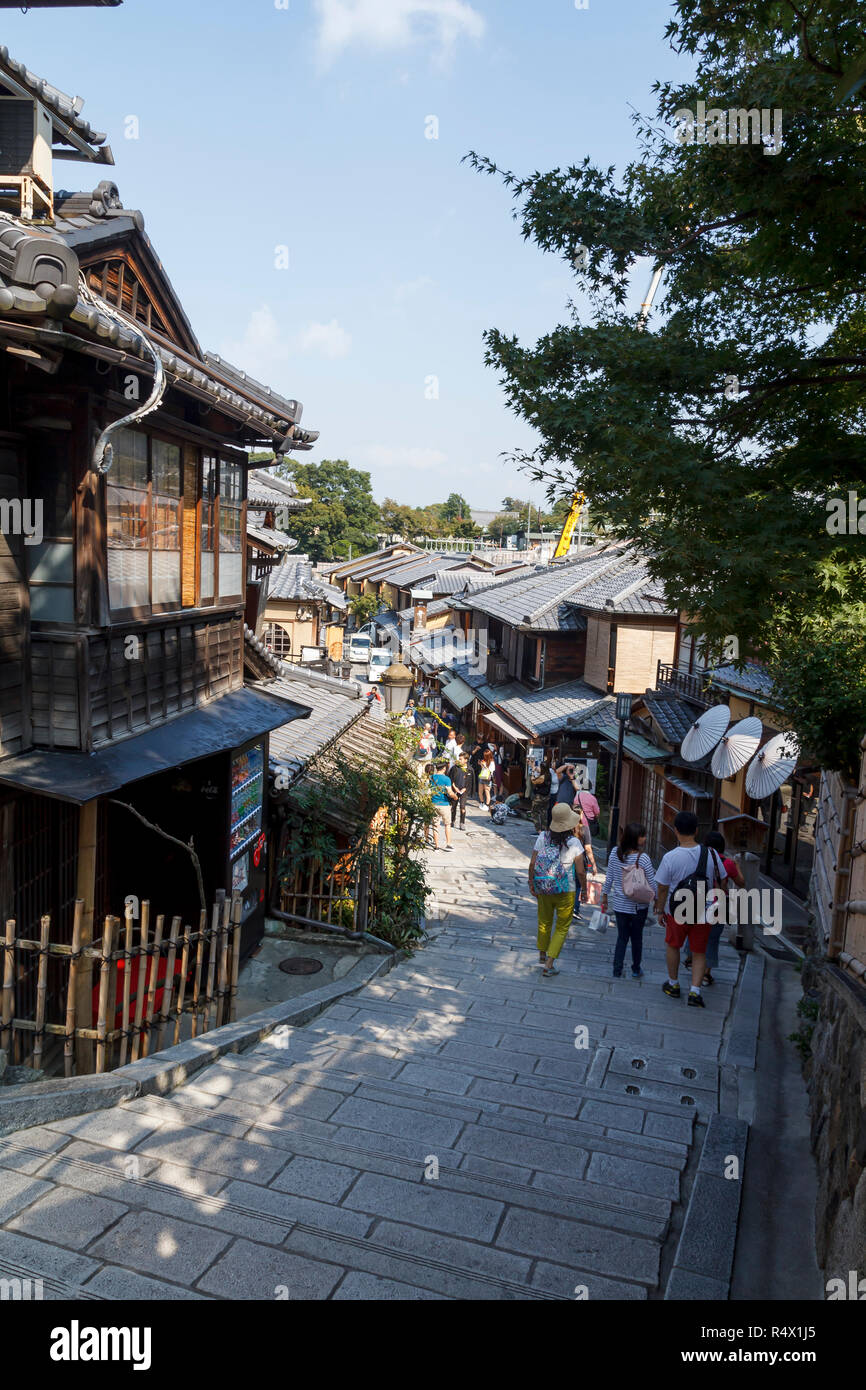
437, 1135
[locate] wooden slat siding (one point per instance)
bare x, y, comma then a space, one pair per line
190, 544
55, 685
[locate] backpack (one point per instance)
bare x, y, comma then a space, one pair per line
635, 884
685, 895
550, 877
499, 813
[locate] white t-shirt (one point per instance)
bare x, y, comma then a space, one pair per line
570, 852
554, 781
679, 863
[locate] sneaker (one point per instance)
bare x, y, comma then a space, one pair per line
450, 848
673, 991
696, 1000
636, 974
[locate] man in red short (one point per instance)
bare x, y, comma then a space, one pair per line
687, 921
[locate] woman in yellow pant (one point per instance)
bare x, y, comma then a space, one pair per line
556, 859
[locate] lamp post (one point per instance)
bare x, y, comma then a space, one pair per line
623, 714
397, 682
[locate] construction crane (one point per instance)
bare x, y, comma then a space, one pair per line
563, 545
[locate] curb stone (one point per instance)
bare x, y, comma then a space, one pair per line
44, 1101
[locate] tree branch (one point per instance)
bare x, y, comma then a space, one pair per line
165, 835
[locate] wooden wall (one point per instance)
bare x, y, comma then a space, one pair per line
639, 649
597, 653
90, 689
14, 612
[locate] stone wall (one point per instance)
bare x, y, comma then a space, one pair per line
836, 1081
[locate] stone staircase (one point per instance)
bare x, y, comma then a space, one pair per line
461, 1128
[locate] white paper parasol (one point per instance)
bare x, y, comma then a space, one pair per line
772, 767
736, 748
705, 733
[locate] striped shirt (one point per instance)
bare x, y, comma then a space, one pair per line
613, 883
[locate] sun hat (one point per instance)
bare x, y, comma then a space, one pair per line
563, 817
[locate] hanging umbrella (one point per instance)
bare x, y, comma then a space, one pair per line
705, 733
736, 748
773, 766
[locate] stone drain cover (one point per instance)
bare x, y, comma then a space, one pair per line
301, 965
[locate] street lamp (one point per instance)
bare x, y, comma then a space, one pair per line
623, 714
397, 681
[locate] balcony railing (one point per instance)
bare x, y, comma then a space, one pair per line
691, 686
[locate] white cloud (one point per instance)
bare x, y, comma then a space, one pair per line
394, 24
265, 344
325, 339
415, 460
407, 289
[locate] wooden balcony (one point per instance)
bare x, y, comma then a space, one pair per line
692, 687
90, 688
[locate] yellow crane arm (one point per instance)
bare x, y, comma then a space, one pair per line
563, 545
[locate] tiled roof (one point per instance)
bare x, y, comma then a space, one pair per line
265, 535
674, 716
547, 711
332, 712
361, 565
267, 490
606, 579
62, 108
294, 579
753, 679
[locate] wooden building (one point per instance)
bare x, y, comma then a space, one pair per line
123, 557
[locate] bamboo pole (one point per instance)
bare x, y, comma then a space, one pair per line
127, 984
196, 980
139, 984
168, 987
222, 986
105, 971
216, 919
153, 963
69, 1038
181, 989
41, 991
8, 985
236, 955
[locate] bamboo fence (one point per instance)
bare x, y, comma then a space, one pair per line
342, 893
199, 981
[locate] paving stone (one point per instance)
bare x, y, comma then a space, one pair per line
18, 1190
42, 1259
68, 1216
287, 1209
709, 1234
435, 1079
27, 1150
464, 1255
566, 1282
315, 1178
425, 1204
300, 1100
428, 1130
490, 1168
194, 1148
370, 1288
248, 1271
112, 1282
117, 1128
694, 1288
156, 1244
524, 1151
585, 1247
631, 1173
529, 1097
677, 1127
601, 1113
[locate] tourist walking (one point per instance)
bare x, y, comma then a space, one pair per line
716, 841
442, 795
486, 770
427, 741
458, 778
583, 834
684, 878
630, 887
556, 858
540, 784
452, 747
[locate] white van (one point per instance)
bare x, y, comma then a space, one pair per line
380, 660
360, 647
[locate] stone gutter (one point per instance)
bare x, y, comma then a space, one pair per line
43, 1101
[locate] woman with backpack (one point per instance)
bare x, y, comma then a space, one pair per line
631, 885
556, 859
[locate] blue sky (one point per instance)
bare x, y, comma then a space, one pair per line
262, 126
